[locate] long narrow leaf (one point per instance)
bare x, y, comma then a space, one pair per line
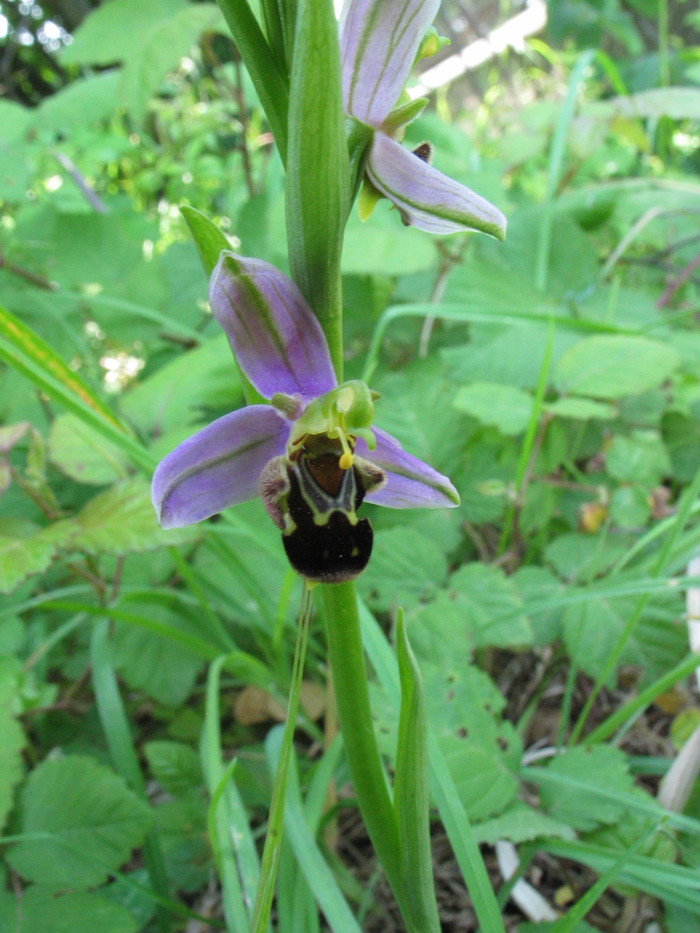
31, 356
412, 792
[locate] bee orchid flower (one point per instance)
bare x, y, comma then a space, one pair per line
311, 452
380, 41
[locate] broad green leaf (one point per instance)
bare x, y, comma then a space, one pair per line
375, 248
581, 409
88, 820
480, 606
678, 103
14, 170
602, 767
22, 557
405, 569
592, 628
639, 458
159, 50
161, 669
178, 394
82, 453
174, 765
114, 31
11, 736
40, 909
581, 557
520, 823
121, 520
482, 751
630, 507
540, 591
609, 367
505, 407
81, 102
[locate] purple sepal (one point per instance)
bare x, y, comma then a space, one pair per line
425, 197
379, 41
410, 483
276, 338
217, 467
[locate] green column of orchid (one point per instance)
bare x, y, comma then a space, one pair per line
318, 202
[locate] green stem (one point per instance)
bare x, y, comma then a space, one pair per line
352, 697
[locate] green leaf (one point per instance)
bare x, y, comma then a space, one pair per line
520, 823
480, 606
405, 568
22, 557
505, 407
639, 458
159, 50
85, 101
270, 82
114, 32
174, 765
82, 453
580, 409
375, 249
163, 670
88, 819
412, 792
678, 103
592, 628
11, 736
209, 240
318, 170
601, 766
39, 908
31, 356
200, 381
609, 367
121, 520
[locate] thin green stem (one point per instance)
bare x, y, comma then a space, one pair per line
273, 839
352, 697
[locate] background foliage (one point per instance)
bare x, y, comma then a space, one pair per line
555, 378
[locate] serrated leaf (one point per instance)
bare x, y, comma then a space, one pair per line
592, 629
174, 765
162, 669
78, 103
599, 766
480, 606
640, 458
83, 453
505, 407
88, 818
22, 557
40, 909
405, 568
610, 367
11, 736
520, 823
481, 751
121, 520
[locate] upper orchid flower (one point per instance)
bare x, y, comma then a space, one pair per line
379, 43
310, 453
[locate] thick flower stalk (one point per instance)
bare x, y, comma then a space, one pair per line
311, 453
380, 41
